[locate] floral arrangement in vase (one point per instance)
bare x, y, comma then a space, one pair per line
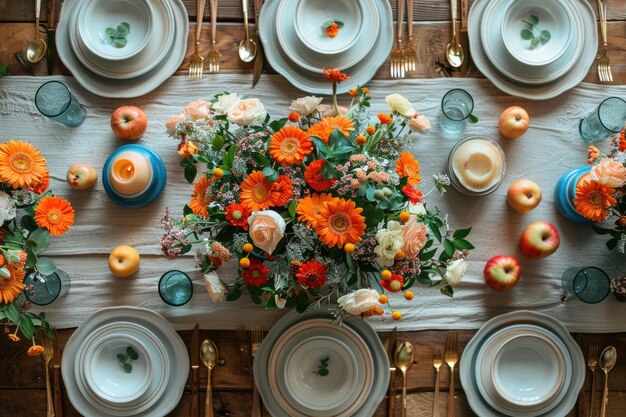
601, 195
29, 215
322, 204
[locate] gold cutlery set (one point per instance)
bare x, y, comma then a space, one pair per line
196, 62
207, 353
52, 353
402, 58
604, 361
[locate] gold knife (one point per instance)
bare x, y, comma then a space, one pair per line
259, 60
391, 352
194, 350
464, 39
56, 369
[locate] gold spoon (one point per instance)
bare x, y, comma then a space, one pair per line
607, 362
37, 47
208, 355
454, 51
247, 47
404, 359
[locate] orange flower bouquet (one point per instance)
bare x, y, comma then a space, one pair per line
322, 205
29, 215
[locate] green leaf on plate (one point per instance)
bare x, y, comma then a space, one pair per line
526, 34
132, 353
128, 368
122, 29
126, 25
339, 23
533, 19
110, 32
120, 42
121, 358
545, 36
534, 43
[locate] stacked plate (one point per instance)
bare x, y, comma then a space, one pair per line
307, 366
535, 49
522, 364
126, 361
122, 48
297, 46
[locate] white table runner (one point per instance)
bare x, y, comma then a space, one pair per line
548, 149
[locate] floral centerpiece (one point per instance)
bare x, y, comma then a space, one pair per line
29, 215
601, 195
323, 203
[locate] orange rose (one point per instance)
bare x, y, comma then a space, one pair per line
415, 236
609, 172
198, 109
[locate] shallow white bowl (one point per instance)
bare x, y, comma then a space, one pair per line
311, 16
98, 15
554, 16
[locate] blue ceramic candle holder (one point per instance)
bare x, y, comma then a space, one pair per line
565, 191
153, 185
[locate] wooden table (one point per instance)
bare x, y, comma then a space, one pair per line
22, 382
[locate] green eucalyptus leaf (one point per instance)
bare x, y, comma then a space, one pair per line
122, 30
27, 327
323, 372
13, 312
328, 170
545, 36
526, 34
28, 223
327, 23
534, 43
120, 42
121, 358
128, 368
126, 25
270, 174
46, 266
534, 19
41, 238
339, 23
110, 32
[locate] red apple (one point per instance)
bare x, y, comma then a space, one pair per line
502, 272
539, 240
513, 122
129, 122
523, 195
81, 176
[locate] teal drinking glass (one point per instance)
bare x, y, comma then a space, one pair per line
606, 119
589, 284
55, 101
175, 288
456, 106
45, 289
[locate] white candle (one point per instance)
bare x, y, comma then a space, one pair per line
478, 164
130, 173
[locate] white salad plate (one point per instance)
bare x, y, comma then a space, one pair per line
313, 61
123, 88
292, 375
361, 328
313, 82
139, 64
541, 91
156, 328
549, 326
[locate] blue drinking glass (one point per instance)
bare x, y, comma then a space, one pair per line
54, 100
456, 106
175, 288
45, 289
606, 119
589, 284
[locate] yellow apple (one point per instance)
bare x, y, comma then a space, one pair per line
513, 122
81, 176
523, 195
124, 261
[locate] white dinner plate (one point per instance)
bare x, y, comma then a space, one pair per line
132, 87
542, 91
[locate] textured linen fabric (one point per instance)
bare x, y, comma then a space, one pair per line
550, 147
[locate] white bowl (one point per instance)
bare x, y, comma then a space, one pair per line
97, 16
105, 374
311, 16
553, 16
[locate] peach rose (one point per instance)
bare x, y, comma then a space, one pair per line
187, 149
326, 110
305, 105
267, 228
198, 109
244, 112
171, 123
415, 236
609, 172
420, 124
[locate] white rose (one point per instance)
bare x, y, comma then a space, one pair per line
390, 241
267, 228
455, 271
359, 301
244, 112
400, 105
327, 110
280, 302
305, 105
417, 209
225, 102
215, 287
420, 124
7, 208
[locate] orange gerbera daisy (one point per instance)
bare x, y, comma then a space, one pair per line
21, 164
12, 286
592, 200
282, 191
313, 176
43, 184
408, 166
289, 145
384, 118
342, 123
320, 131
257, 193
622, 141
339, 222
55, 214
308, 208
334, 75
35, 350
201, 198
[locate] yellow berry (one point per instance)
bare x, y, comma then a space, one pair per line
244, 263
405, 216
360, 140
400, 255
248, 247
370, 130
349, 247
218, 173
383, 299
396, 315
386, 275
408, 295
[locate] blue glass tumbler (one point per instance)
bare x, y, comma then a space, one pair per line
456, 107
45, 289
589, 284
175, 288
606, 119
55, 101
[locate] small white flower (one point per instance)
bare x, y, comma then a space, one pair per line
359, 301
417, 209
400, 105
215, 287
390, 241
244, 112
455, 271
305, 105
280, 302
7, 208
225, 102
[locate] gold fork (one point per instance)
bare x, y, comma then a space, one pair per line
604, 67
451, 357
409, 52
397, 55
437, 362
257, 338
244, 350
592, 363
48, 354
214, 55
196, 62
